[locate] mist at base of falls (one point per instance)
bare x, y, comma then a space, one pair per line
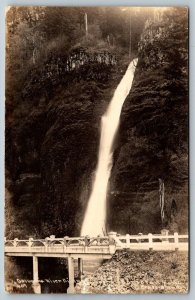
95, 215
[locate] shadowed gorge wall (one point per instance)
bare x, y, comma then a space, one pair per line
55, 153
60, 80
153, 136
53, 112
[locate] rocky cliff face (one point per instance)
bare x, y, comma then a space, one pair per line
153, 140
52, 150
52, 139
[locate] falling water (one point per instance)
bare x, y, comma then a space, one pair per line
95, 216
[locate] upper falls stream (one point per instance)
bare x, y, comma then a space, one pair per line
95, 215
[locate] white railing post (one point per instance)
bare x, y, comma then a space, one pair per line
128, 240
112, 242
86, 243
52, 237
112, 236
176, 240
15, 242
65, 242
30, 242
98, 240
165, 232
46, 244
150, 240
140, 234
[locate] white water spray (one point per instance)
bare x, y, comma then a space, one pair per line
95, 216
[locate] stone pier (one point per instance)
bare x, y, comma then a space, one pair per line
36, 285
71, 289
80, 267
82, 249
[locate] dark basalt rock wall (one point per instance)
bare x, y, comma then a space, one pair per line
52, 140
153, 135
52, 147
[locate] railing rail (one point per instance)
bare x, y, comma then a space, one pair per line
73, 248
100, 244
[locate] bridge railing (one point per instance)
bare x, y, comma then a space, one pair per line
99, 244
62, 245
151, 241
66, 241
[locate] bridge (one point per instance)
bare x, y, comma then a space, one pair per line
87, 248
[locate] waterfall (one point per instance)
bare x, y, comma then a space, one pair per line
95, 215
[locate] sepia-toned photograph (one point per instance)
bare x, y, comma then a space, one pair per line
96, 150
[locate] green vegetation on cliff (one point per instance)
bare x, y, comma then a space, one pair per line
58, 84
153, 136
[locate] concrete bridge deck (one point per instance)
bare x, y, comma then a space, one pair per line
87, 248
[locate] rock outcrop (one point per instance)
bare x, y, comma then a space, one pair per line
139, 272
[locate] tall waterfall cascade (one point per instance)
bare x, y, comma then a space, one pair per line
95, 215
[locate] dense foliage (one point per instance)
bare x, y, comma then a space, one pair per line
60, 78
53, 111
153, 137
